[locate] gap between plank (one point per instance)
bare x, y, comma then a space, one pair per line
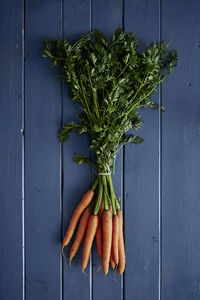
123, 180
61, 170
23, 152
160, 167
92, 173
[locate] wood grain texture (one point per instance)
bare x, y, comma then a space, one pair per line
142, 176
181, 155
54, 184
42, 154
11, 263
107, 17
76, 179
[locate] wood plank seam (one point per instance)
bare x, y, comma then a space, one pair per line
123, 181
23, 155
62, 260
160, 169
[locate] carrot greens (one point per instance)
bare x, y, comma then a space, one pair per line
111, 81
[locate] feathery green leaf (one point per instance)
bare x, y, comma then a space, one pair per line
110, 81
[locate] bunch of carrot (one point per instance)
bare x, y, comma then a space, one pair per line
110, 81
97, 220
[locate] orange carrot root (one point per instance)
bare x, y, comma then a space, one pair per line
90, 234
122, 258
85, 201
112, 263
99, 237
80, 233
107, 239
115, 239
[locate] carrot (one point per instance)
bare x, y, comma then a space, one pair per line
107, 239
99, 232
85, 201
112, 263
99, 238
115, 239
122, 258
80, 233
90, 234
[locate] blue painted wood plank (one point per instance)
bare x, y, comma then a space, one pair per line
11, 262
142, 176
107, 17
76, 179
181, 156
42, 154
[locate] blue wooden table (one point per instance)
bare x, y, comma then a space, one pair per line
158, 181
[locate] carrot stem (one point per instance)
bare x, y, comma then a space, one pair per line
112, 194
105, 193
117, 204
106, 189
106, 202
95, 184
99, 197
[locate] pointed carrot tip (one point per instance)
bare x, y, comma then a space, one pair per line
105, 272
120, 272
83, 270
70, 257
70, 263
62, 251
